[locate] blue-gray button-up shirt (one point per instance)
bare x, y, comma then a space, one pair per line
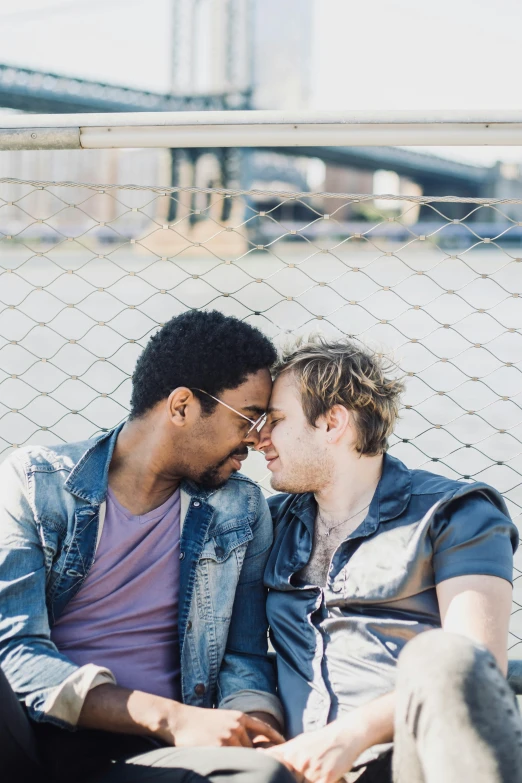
337, 647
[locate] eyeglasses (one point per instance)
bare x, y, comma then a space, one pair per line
257, 425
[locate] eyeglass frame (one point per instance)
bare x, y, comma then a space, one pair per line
258, 423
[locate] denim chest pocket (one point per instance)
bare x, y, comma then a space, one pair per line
218, 572
52, 533
225, 540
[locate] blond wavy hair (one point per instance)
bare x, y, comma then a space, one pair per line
348, 374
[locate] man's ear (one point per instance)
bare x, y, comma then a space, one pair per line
181, 403
338, 420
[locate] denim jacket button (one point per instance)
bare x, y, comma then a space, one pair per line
199, 690
196, 504
182, 555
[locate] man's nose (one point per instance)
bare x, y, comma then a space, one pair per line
252, 439
263, 438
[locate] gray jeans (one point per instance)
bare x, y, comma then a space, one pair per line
197, 765
456, 719
47, 754
99, 757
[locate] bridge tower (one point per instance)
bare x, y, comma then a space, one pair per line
211, 52
262, 45
211, 45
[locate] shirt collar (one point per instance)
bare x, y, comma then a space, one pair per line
394, 489
389, 501
305, 508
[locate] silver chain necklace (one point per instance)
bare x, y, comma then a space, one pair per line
329, 530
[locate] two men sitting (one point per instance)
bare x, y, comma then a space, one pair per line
137, 571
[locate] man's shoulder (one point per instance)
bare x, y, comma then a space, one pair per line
424, 482
238, 483
240, 495
241, 479
53, 457
441, 488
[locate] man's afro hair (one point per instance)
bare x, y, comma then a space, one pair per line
207, 350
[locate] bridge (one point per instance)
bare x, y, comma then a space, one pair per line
436, 175
50, 93
35, 91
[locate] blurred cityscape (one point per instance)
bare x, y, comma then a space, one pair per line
88, 272
219, 61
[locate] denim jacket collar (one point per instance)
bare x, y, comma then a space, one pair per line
90, 476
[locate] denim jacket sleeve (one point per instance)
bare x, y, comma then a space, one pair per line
32, 664
246, 679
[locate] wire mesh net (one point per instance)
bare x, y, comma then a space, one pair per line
89, 272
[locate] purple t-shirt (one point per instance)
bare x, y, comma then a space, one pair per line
125, 615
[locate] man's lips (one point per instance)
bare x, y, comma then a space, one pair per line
270, 460
237, 459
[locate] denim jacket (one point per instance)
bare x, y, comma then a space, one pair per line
52, 502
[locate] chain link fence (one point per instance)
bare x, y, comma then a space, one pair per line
89, 272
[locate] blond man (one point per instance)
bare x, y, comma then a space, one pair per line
389, 590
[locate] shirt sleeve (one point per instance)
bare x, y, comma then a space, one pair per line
254, 701
472, 533
65, 702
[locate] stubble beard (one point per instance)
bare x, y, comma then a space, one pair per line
310, 474
211, 479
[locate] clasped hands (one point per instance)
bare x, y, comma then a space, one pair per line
321, 756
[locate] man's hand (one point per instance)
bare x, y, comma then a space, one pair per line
262, 740
326, 755
112, 708
322, 756
191, 726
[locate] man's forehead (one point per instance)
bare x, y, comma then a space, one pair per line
284, 393
252, 396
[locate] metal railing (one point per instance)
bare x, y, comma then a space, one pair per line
89, 272
211, 129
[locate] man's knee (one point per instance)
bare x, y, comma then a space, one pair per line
436, 655
197, 765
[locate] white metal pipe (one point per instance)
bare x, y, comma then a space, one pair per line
260, 118
298, 136
259, 129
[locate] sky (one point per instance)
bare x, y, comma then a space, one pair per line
367, 54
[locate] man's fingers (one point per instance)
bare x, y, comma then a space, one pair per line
244, 738
234, 741
256, 726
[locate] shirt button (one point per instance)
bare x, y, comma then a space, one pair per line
199, 690
336, 588
182, 555
196, 504
189, 625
